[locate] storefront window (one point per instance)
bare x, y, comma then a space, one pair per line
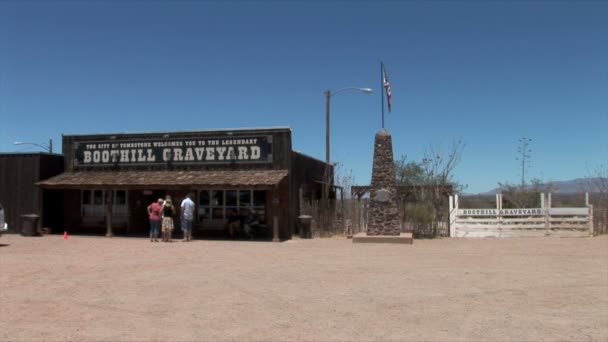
203, 198
217, 204
259, 199
259, 205
217, 198
121, 197
231, 198
98, 197
203, 205
218, 213
203, 213
211, 204
245, 198
86, 197
93, 204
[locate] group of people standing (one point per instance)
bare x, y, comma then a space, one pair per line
161, 214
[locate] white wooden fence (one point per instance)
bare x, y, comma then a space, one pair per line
522, 222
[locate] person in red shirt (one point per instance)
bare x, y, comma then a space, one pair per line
155, 219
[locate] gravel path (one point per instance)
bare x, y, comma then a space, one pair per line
128, 289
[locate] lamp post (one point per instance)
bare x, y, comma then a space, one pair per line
328, 95
48, 148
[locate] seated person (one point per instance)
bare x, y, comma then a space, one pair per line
234, 222
251, 222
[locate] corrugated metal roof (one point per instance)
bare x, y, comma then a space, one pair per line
163, 179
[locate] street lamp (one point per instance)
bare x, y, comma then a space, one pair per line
328, 95
48, 148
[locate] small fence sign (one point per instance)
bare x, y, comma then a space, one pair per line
520, 222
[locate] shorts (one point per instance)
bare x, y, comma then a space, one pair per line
186, 225
167, 224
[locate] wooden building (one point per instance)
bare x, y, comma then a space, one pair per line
18, 193
226, 170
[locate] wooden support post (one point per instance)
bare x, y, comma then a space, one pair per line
590, 216
343, 209
501, 201
40, 211
275, 229
275, 216
498, 208
301, 201
301, 207
451, 203
453, 215
547, 215
456, 207
451, 223
109, 201
542, 200
356, 216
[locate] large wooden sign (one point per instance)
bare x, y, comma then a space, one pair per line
176, 151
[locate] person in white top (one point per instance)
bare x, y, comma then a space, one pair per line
187, 217
3, 225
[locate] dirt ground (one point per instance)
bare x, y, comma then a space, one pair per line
128, 289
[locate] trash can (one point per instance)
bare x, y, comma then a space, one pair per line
305, 231
29, 224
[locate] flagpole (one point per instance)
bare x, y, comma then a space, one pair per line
382, 92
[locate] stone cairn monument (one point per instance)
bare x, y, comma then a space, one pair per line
383, 216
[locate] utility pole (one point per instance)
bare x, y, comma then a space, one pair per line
327, 177
523, 151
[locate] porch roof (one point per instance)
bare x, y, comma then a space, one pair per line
165, 179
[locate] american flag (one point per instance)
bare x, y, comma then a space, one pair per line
387, 87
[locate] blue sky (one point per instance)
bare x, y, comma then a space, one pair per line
485, 72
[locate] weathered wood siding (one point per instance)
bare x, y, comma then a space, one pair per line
19, 194
72, 211
306, 174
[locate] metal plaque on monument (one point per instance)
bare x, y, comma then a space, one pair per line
383, 217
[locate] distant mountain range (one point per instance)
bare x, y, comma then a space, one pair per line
567, 187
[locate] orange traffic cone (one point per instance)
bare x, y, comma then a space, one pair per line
65, 234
